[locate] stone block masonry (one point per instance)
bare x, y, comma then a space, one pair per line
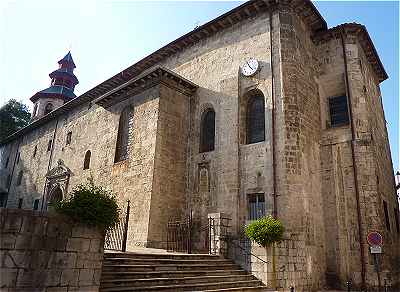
47, 252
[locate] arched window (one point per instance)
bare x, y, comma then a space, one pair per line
48, 108
86, 163
255, 128
207, 131
125, 129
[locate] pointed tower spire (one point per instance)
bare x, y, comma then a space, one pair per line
61, 90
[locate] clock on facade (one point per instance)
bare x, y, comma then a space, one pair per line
250, 67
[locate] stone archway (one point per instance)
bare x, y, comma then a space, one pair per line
56, 195
57, 180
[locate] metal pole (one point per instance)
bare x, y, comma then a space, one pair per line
376, 261
125, 236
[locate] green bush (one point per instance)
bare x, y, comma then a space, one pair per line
265, 231
91, 205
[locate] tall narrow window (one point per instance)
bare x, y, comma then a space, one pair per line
18, 157
256, 206
20, 201
34, 110
385, 209
207, 131
68, 139
338, 111
7, 161
396, 219
86, 163
49, 108
49, 145
125, 129
34, 151
36, 204
19, 178
255, 127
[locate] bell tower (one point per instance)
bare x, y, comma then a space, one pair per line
61, 90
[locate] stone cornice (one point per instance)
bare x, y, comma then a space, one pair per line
148, 79
364, 39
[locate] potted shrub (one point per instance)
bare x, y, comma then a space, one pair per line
266, 232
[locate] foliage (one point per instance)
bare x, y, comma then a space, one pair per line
265, 231
14, 115
91, 205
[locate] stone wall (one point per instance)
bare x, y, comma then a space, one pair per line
46, 252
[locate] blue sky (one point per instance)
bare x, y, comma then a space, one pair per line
107, 36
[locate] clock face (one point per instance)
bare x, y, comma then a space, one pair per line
250, 67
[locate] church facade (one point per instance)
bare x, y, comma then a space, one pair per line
263, 110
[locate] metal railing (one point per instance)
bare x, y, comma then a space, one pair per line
117, 236
246, 250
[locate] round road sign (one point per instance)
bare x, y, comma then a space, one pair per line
374, 238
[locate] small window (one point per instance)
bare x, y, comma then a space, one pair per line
7, 161
49, 108
20, 201
35, 110
396, 219
36, 204
255, 120
86, 163
68, 139
34, 151
18, 157
338, 111
49, 145
19, 179
256, 206
385, 209
207, 131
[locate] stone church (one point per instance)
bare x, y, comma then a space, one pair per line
263, 110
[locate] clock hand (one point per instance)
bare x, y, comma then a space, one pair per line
249, 65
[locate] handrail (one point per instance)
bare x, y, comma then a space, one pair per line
245, 251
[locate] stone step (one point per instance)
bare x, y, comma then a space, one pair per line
190, 287
150, 282
109, 255
167, 267
172, 274
156, 261
244, 289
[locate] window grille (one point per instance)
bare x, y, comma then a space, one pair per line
338, 111
256, 206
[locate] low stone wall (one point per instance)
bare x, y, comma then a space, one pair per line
47, 252
289, 257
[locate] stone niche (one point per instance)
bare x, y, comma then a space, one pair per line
46, 252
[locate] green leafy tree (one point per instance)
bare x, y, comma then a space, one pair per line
91, 205
14, 115
265, 231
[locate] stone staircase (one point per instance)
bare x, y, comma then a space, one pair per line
174, 272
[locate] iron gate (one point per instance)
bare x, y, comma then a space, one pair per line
116, 237
190, 236
179, 235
